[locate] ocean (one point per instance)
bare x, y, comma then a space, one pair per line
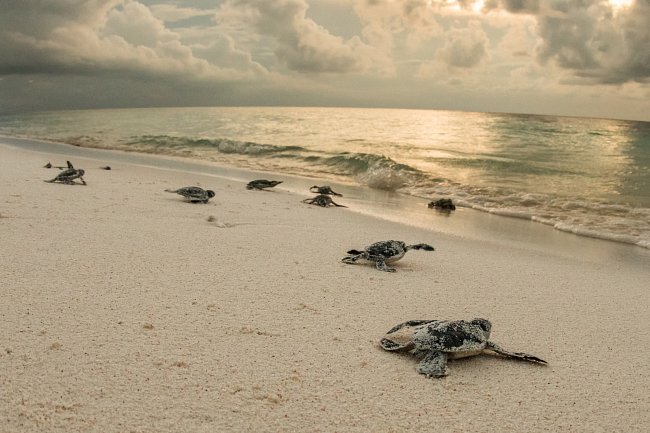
590, 177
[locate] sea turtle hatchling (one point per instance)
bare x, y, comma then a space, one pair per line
194, 194
262, 184
68, 175
324, 190
384, 252
443, 204
440, 340
322, 200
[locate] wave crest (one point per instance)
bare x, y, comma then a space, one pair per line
221, 145
376, 171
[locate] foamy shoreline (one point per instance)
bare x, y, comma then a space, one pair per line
124, 309
471, 223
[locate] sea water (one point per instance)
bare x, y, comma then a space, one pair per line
587, 176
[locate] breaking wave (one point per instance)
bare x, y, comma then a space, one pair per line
590, 177
375, 171
618, 222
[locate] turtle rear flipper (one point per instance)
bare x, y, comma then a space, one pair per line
515, 355
355, 252
425, 247
434, 364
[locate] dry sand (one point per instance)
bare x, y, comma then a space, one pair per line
125, 310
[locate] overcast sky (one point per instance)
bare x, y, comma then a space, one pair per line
568, 57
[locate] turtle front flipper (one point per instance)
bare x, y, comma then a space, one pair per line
353, 257
382, 266
425, 247
434, 364
515, 355
409, 323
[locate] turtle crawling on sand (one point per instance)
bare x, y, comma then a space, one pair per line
384, 252
440, 340
262, 184
322, 200
194, 194
443, 204
68, 175
324, 190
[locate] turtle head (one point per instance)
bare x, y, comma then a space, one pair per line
81, 172
399, 340
401, 337
210, 193
484, 324
394, 346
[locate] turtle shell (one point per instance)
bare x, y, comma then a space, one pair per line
451, 336
387, 249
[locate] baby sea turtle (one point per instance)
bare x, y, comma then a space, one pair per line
261, 184
440, 340
324, 190
68, 175
444, 204
194, 194
322, 200
384, 252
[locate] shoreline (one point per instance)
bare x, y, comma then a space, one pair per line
391, 206
126, 309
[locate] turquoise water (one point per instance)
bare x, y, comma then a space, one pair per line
586, 176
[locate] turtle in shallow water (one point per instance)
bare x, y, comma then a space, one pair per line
443, 204
322, 200
324, 190
68, 175
262, 184
440, 340
384, 252
194, 194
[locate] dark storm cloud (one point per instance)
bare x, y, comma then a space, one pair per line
594, 39
103, 37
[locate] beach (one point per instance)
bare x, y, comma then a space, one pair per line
126, 309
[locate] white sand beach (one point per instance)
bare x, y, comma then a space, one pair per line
124, 309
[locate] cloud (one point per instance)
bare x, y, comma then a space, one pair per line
593, 39
464, 47
299, 43
100, 37
384, 20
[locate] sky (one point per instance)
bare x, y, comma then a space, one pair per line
580, 57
